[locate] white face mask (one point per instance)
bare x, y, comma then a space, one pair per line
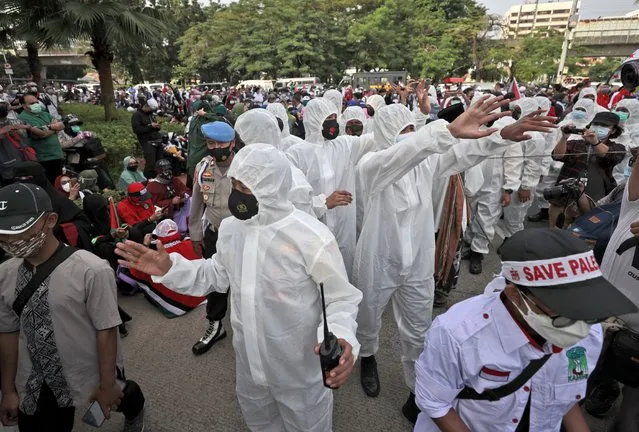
561, 337
403, 137
66, 187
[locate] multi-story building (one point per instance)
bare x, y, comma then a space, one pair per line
521, 20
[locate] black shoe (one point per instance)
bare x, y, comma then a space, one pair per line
441, 299
213, 333
369, 377
410, 409
502, 245
475, 262
122, 330
601, 400
539, 217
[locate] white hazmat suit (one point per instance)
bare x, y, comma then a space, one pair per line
274, 263
329, 165
629, 137
376, 102
288, 140
260, 126
395, 255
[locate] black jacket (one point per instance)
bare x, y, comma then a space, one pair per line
141, 124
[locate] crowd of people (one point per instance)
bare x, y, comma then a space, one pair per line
377, 196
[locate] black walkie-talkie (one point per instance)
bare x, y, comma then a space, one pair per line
330, 350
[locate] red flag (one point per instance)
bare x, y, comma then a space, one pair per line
113, 214
514, 89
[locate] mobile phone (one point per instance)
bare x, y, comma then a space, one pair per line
94, 415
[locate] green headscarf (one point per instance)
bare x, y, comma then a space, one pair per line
127, 177
197, 141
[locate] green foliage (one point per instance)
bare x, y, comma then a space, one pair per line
117, 136
601, 71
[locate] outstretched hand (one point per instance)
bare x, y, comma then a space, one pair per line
422, 97
469, 123
533, 122
141, 258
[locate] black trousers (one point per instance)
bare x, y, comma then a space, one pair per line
152, 154
217, 303
52, 168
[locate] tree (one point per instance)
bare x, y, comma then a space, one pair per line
104, 23
602, 70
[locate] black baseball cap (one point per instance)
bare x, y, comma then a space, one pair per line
21, 206
451, 113
561, 270
606, 118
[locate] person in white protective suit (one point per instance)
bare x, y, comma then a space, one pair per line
501, 178
529, 169
395, 251
373, 104
328, 162
354, 121
260, 126
591, 93
336, 98
581, 115
273, 257
288, 140
628, 112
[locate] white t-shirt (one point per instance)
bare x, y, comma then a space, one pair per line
617, 266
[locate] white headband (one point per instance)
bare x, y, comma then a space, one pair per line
555, 271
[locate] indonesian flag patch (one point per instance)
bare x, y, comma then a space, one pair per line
494, 375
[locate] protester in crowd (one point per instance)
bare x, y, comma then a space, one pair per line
619, 267
137, 210
167, 191
577, 156
202, 114
478, 370
146, 128
46, 142
65, 327
285, 254
603, 95
392, 181
628, 112
130, 173
287, 140
354, 121
211, 192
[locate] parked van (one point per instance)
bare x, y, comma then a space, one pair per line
264, 84
297, 82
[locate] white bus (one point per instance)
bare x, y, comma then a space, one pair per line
297, 82
264, 84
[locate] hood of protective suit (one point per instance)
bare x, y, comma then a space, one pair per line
588, 91
267, 173
353, 113
376, 101
527, 105
479, 95
632, 105
589, 106
259, 126
543, 103
389, 122
336, 99
280, 112
315, 113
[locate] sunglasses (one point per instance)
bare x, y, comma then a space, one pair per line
559, 321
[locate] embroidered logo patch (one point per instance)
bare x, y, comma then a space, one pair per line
494, 375
577, 364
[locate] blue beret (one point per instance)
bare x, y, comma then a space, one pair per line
218, 131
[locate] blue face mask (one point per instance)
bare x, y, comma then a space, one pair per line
601, 131
578, 115
627, 171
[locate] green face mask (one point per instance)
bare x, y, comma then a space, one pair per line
35, 108
75, 129
623, 116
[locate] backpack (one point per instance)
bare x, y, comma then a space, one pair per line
596, 227
14, 148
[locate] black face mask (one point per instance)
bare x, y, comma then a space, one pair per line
330, 129
4, 110
280, 123
242, 206
132, 167
516, 114
166, 175
355, 130
370, 110
220, 154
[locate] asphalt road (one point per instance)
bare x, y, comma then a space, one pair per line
197, 394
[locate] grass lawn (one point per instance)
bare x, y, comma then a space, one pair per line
117, 136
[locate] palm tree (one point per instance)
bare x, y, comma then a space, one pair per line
103, 23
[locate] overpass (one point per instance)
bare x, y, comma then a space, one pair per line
59, 57
607, 37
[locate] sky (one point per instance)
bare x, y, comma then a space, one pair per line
589, 8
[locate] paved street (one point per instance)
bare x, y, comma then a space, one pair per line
197, 394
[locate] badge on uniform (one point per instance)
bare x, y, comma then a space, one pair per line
577, 364
205, 188
205, 197
207, 174
494, 374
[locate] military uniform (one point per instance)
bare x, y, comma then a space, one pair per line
211, 190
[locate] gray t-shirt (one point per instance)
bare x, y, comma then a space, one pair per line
77, 300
